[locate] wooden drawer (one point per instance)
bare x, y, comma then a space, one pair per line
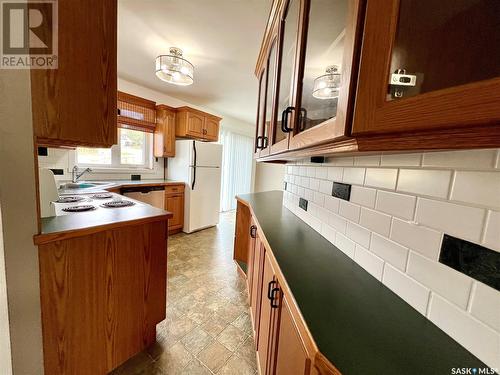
174, 189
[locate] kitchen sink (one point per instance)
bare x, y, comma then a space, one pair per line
82, 185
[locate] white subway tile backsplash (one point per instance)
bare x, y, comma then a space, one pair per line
395, 204
492, 231
358, 234
369, 261
476, 159
424, 240
486, 305
396, 235
337, 222
415, 294
321, 173
349, 210
332, 203
452, 285
345, 244
424, 182
372, 160
363, 196
354, 176
381, 178
401, 160
460, 221
476, 337
334, 173
375, 221
389, 251
481, 188
325, 187
300, 191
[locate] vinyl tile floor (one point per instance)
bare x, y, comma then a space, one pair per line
207, 329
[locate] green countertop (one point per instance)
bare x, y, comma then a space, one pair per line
359, 324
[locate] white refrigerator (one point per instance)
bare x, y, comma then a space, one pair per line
198, 164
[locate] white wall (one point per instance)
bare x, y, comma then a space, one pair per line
18, 197
393, 225
268, 176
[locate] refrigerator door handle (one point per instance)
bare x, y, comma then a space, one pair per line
194, 166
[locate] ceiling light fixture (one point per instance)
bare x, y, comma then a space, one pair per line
173, 68
327, 86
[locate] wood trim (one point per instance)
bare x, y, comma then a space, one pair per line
45, 238
193, 110
266, 38
324, 366
68, 144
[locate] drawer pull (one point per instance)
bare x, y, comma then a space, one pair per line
253, 231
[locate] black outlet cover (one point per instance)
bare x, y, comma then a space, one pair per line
43, 151
57, 172
317, 159
303, 203
285, 184
135, 177
471, 259
342, 191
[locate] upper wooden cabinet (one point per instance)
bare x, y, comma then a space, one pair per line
429, 65
75, 104
362, 75
164, 135
195, 124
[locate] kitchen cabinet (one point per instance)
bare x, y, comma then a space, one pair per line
164, 135
363, 76
174, 202
316, 43
428, 66
75, 104
194, 124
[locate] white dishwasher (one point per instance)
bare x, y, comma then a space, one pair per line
152, 195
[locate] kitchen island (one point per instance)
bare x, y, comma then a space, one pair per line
102, 286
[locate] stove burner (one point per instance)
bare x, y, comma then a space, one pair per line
102, 196
117, 204
83, 208
69, 199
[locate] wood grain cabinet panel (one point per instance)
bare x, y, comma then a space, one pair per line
75, 104
164, 135
101, 297
194, 124
175, 204
211, 129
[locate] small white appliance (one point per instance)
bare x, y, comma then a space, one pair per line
198, 164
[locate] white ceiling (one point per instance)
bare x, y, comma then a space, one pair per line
221, 38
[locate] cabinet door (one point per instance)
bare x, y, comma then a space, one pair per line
164, 136
211, 129
175, 204
195, 124
288, 34
291, 355
75, 104
270, 115
266, 316
261, 113
256, 289
330, 31
428, 65
251, 255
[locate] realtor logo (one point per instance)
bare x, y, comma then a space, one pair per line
29, 34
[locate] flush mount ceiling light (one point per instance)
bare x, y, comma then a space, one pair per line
327, 86
173, 68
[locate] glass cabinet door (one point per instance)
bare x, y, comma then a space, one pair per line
429, 65
261, 105
269, 97
288, 43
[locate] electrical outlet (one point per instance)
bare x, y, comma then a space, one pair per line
303, 204
471, 259
342, 191
43, 151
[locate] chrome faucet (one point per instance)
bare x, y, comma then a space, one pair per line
75, 175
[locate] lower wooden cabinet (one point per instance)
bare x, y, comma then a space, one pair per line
174, 202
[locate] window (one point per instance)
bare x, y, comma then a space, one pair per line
133, 151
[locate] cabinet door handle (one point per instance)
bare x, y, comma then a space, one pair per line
273, 305
265, 142
253, 231
302, 119
271, 283
284, 120
258, 145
